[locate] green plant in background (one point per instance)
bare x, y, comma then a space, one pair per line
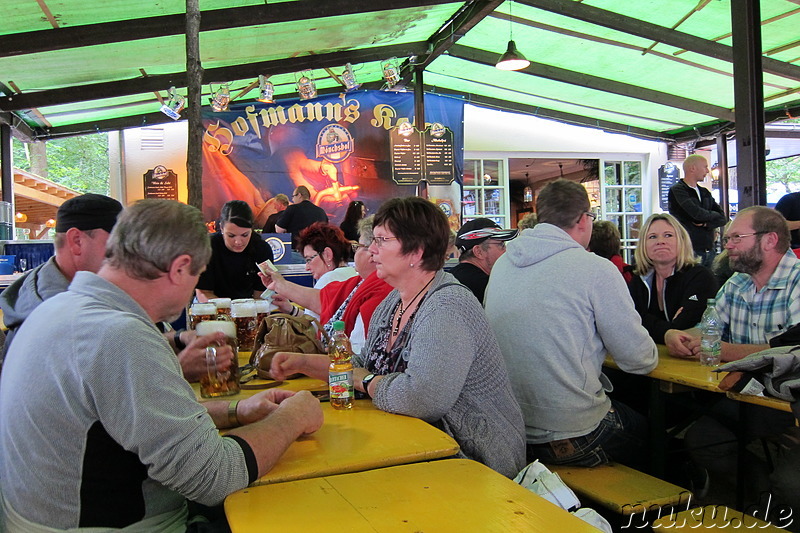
79, 162
785, 172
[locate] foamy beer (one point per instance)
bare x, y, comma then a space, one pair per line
223, 306
244, 316
201, 312
216, 383
263, 308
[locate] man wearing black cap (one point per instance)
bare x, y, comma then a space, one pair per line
481, 242
83, 224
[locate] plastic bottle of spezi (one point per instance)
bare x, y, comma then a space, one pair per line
340, 371
710, 335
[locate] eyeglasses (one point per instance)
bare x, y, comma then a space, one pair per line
356, 246
380, 241
309, 259
591, 215
499, 244
295, 195
736, 239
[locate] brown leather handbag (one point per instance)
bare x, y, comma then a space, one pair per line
281, 332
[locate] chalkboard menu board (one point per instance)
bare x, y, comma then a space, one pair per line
424, 155
668, 175
161, 182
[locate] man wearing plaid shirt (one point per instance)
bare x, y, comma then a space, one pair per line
759, 302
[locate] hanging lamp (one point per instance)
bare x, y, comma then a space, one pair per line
512, 59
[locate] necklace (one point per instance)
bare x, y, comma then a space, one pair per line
403, 308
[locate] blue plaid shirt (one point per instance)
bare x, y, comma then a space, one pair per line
752, 317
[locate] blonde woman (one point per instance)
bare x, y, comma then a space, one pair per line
669, 288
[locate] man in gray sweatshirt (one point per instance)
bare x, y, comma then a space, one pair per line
557, 311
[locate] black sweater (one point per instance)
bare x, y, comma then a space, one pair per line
689, 289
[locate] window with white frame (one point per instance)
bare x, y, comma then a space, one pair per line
484, 191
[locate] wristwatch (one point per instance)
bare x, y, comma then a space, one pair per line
365, 383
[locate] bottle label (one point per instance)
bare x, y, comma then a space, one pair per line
341, 384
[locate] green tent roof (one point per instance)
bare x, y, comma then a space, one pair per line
653, 68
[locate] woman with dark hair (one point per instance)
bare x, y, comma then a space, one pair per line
605, 242
355, 212
235, 250
325, 252
430, 352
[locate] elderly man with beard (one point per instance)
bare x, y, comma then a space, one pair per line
759, 302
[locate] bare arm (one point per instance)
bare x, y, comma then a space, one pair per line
206, 293
304, 296
279, 229
311, 364
734, 352
793, 224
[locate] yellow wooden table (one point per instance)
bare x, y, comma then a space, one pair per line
360, 439
688, 372
764, 401
454, 495
670, 376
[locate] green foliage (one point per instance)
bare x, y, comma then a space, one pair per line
784, 171
80, 162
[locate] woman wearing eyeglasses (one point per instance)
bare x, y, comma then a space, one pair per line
235, 250
325, 251
669, 287
430, 352
352, 301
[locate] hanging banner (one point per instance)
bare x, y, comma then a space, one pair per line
339, 146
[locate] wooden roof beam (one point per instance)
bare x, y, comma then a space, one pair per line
454, 29
651, 31
218, 19
600, 84
83, 93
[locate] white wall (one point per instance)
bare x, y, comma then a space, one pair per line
144, 148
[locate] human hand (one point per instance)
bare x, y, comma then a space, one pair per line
201, 297
193, 358
281, 302
305, 409
285, 364
261, 405
680, 343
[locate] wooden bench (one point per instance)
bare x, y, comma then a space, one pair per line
712, 517
621, 489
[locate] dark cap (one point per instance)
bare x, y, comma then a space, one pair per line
88, 211
478, 230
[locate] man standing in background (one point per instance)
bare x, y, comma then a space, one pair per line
281, 203
696, 209
300, 215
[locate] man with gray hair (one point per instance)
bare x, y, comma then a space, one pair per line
114, 437
558, 311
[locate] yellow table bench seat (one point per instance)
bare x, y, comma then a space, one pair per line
620, 488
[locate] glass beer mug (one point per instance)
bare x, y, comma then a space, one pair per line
214, 382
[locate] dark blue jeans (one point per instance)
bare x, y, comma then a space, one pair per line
619, 438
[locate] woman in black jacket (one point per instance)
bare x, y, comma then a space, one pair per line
669, 288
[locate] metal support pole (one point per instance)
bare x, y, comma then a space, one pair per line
7, 161
419, 120
722, 167
751, 173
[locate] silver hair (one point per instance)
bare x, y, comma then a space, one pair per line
150, 234
365, 228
